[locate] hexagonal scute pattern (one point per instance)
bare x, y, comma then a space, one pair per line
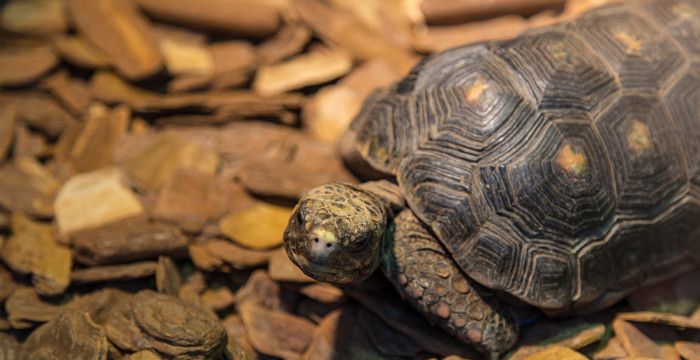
562, 167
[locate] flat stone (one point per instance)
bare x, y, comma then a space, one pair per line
72, 335
103, 192
128, 240
27, 186
259, 227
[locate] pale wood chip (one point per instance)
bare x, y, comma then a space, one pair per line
23, 65
258, 227
34, 17
276, 333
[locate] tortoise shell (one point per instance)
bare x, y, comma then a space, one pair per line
562, 166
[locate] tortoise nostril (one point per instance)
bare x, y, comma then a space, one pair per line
315, 239
328, 245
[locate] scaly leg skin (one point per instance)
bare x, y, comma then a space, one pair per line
422, 271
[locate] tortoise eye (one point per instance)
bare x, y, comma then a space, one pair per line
300, 217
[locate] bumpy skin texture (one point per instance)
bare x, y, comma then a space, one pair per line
561, 167
428, 278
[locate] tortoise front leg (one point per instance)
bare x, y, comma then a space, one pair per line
424, 273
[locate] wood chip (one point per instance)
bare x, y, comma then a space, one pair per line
212, 254
217, 299
126, 241
556, 353
7, 283
286, 172
573, 336
185, 55
276, 333
33, 250
635, 342
26, 186
24, 309
23, 65
351, 34
260, 290
191, 288
688, 350
71, 335
286, 43
29, 143
659, 318
40, 111
258, 227
191, 199
111, 89
34, 17
9, 347
71, 92
153, 166
232, 56
324, 293
88, 145
304, 70
121, 32
238, 344
236, 17
8, 116
440, 38
101, 191
77, 51
461, 11
168, 278
613, 350
105, 273
283, 269
143, 355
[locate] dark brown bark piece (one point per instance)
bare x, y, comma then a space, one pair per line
119, 30
24, 308
635, 342
213, 254
191, 288
7, 283
26, 186
167, 276
191, 199
23, 65
29, 143
688, 350
122, 272
237, 17
71, 335
260, 290
99, 304
276, 333
127, 240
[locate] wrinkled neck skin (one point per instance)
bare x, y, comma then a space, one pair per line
336, 233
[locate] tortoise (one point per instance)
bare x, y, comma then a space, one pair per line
558, 170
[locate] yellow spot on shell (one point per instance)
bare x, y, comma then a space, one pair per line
633, 45
638, 138
572, 160
474, 92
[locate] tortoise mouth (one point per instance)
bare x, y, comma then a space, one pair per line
322, 273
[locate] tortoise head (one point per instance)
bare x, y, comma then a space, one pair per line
336, 232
